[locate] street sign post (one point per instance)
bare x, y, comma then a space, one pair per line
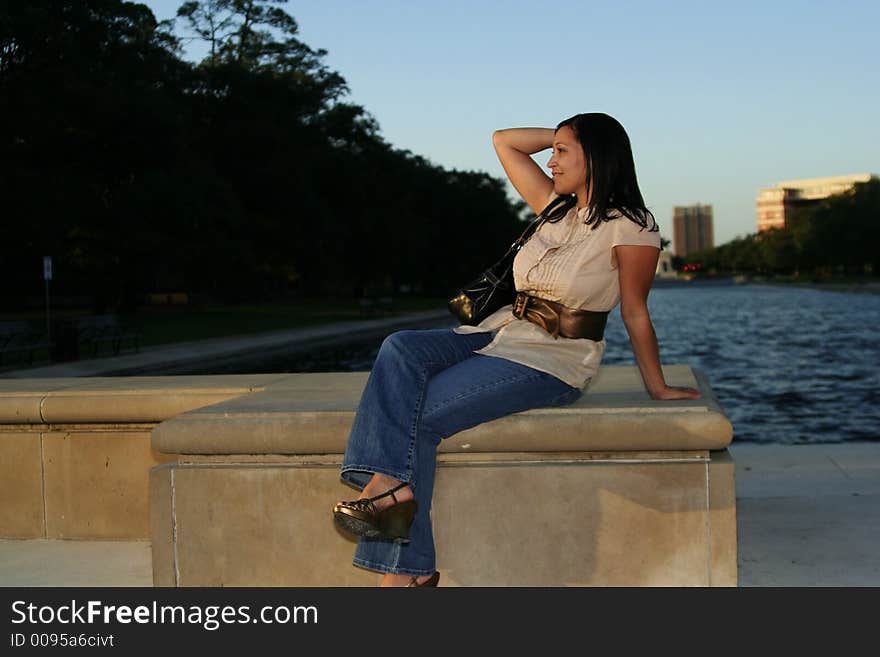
47, 276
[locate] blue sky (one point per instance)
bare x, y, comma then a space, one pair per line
718, 100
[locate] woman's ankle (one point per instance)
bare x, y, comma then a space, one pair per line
393, 579
380, 484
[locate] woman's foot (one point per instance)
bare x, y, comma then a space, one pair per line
381, 483
391, 579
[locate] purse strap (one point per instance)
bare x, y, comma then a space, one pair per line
530, 230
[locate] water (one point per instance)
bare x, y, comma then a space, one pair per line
788, 365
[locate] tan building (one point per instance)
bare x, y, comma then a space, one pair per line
664, 266
692, 229
774, 203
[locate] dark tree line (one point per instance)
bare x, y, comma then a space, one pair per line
839, 235
247, 176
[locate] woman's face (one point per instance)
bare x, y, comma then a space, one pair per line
567, 163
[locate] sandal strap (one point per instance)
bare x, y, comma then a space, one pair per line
366, 503
390, 492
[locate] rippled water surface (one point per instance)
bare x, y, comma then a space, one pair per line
787, 365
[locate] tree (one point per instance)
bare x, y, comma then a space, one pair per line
243, 32
778, 251
86, 95
245, 176
839, 233
212, 21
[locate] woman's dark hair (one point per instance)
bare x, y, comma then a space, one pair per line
611, 169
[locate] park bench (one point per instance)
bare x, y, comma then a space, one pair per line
19, 343
616, 489
89, 336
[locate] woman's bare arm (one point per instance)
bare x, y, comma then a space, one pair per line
636, 267
514, 147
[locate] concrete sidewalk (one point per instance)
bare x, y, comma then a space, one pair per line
807, 515
168, 359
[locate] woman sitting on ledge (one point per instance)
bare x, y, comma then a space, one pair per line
597, 247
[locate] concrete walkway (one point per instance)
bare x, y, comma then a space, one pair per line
807, 515
166, 359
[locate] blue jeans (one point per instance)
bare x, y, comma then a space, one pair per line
427, 385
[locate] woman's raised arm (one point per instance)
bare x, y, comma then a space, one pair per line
514, 147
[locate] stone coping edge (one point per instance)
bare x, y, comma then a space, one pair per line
102, 400
249, 427
481, 458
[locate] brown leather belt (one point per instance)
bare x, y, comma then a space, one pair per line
558, 320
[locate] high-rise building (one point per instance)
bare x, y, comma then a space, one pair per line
692, 229
776, 203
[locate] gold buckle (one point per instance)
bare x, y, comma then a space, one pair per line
519, 304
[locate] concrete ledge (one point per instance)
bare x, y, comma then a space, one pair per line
76, 457
616, 489
20, 400
626, 519
75, 454
119, 399
312, 414
22, 510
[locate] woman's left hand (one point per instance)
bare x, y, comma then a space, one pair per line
676, 392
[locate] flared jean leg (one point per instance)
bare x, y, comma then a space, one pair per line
448, 397
383, 434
